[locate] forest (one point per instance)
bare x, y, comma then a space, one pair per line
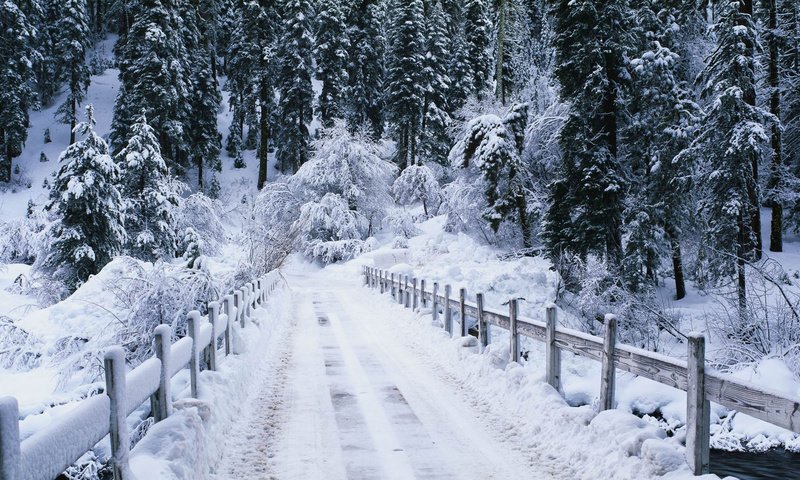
647, 151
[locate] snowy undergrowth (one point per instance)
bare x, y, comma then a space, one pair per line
461, 261
190, 443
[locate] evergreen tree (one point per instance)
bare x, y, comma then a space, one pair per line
48, 67
331, 56
150, 196
295, 105
365, 68
435, 141
586, 200
89, 230
406, 91
73, 39
17, 57
478, 32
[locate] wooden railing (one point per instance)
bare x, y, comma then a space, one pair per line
51, 450
701, 384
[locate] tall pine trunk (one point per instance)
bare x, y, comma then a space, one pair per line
776, 225
263, 147
73, 113
754, 241
5, 163
500, 54
677, 262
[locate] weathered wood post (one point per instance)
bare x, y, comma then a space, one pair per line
483, 327
435, 301
448, 312
161, 401
237, 303
382, 282
193, 325
407, 293
227, 307
422, 300
392, 287
114, 361
608, 377
513, 308
552, 352
698, 409
365, 272
462, 310
245, 313
401, 290
415, 301
213, 319
9, 439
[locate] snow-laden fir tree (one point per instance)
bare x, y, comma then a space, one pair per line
405, 95
150, 196
331, 55
418, 183
585, 209
88, 230
154, 80
73, 40
365, 69
17, 58
790, 111
295, 104
48, 67
492, 176
478, 27
331, 231
434, 141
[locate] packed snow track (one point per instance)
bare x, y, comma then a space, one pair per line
357, 403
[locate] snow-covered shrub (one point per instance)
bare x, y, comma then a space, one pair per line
19, 350
401, 222
21, 240
417, 183
202, 215
270, 234
329, 230
350, 166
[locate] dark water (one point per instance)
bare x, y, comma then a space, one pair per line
774, 464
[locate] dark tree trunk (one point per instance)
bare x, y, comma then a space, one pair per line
677, 262
263, 147
5, 163
608, 119
741, 284
73, 113
776, 222
524, 222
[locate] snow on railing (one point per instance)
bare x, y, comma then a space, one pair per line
701, 384
51, 450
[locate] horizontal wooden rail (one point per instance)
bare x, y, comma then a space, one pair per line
51, 450
762, 403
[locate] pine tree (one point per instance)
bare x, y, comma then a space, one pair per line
150, 196
73, 39
405, 93
434, 142
331, 54
84, 197
17, 57
48, 67
586, 199
295, 105
365, 69
478, 33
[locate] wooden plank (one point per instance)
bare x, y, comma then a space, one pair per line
114, 362
552, 352
161, 401
9, 438
698, 408
513, 308
772, 407
462, 298
608, 375
448, 310
483, 327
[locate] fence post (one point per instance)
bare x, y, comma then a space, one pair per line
237, 302
245, 314
698, 409
382, 282
483, 328
513, 308
114, 361
391, 286
9, 438
462, 310
226, 307
400, 289
435, 301
407, 293
193, 323
213, 316
552, 352
609, 372
161, 401
448, 313
415, 302
422, 300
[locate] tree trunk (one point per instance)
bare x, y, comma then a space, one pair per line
741, 285
73, 114
5, 163
776, 222
500, 53
755, 244
263, 147
199, 161
677, 262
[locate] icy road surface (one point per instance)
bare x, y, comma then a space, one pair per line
348, 400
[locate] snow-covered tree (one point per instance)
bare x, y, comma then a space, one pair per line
295, 104
434, 141
88, 231
365, 69
330, 230
478, 26
73, 39
331, 54
418, 183
150, 196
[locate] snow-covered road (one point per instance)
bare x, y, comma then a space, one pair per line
358, 403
